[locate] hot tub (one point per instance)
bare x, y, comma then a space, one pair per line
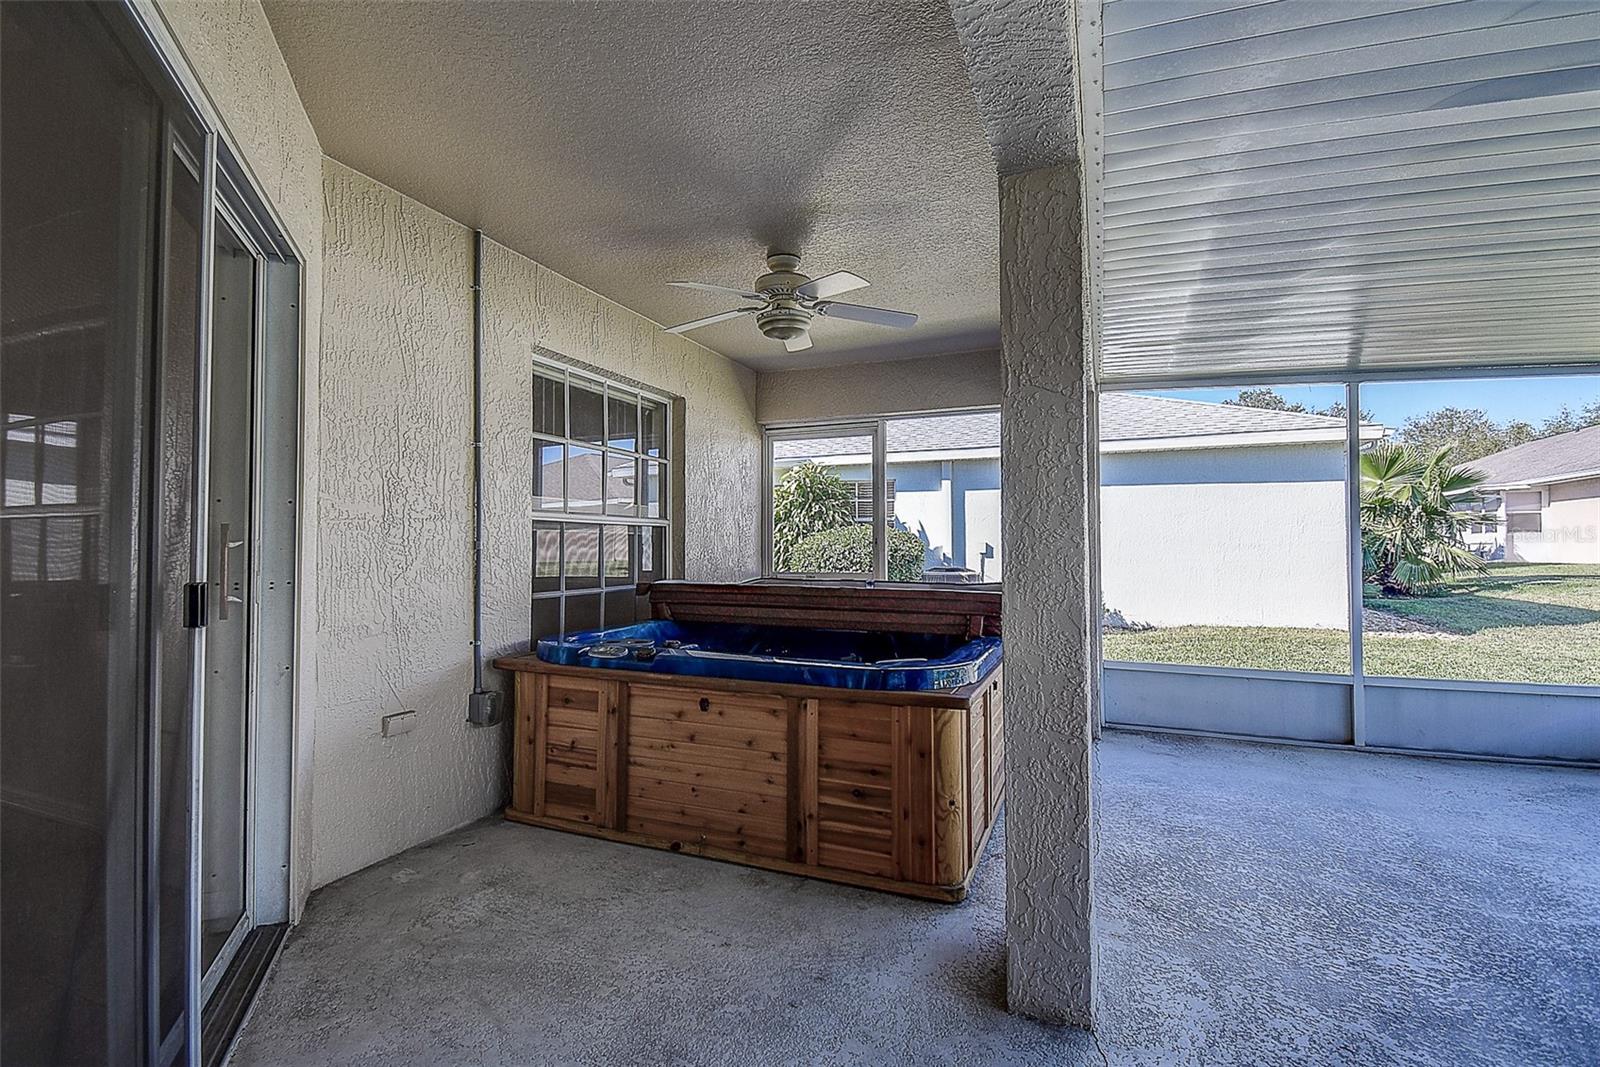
861, 742
837, 659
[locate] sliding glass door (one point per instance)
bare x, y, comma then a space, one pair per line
230, 520
81, 208
172, 495
134, 318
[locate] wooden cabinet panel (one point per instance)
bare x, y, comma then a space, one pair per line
977, 774
997, 742
709, 708
708, 768
573, 730
527, 766
951, 822
914, 792
854, 798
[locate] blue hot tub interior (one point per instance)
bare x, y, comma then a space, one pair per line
838, 658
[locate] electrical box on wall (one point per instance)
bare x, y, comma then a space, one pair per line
483, 708
399, 723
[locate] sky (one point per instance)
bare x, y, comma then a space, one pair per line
1505, 399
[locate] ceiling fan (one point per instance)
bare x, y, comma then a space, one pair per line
784, 302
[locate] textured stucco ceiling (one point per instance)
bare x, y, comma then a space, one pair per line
1019, 55
626, 144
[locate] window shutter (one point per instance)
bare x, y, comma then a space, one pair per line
861, 500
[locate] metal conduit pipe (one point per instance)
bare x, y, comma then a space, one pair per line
483, 707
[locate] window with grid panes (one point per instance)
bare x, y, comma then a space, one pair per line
601, 473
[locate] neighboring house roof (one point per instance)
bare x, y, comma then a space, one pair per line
1128, 422
939, 433
1133, 417
1552, 459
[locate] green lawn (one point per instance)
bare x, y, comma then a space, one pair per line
1521, 622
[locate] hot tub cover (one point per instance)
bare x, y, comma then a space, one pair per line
839, 659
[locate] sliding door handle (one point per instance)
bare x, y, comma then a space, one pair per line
225, 577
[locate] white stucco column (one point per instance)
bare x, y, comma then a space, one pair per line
1047, 455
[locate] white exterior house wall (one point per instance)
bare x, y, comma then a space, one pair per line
1225, 537
951, 505
1247, 535
921, 501
922, 506
975, 542
1569, 526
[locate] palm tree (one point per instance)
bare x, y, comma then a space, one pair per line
1412, 517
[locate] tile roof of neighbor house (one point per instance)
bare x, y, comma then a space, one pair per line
1123, 417
1546, 460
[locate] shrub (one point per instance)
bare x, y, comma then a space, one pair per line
848, 550
807, 500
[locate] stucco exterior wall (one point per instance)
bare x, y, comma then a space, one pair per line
1051, 598
232, 51
975, 540
922, 506
901, 387
394, 600
1569, 527
1226, 537
954, 507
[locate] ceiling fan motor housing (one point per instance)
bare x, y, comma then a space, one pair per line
783, 318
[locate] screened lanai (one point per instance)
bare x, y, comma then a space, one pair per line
1182, 645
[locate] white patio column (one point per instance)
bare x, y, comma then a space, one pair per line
1051, 602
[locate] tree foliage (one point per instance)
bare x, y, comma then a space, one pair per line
1472, 434
1569, 419
1266, 398
814, 529
1269, 399
1414, 517
848, 550
1468, 432
807, 500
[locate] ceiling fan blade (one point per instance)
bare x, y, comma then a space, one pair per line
840, 281
721, 316
900, 320
709, 288
798, 344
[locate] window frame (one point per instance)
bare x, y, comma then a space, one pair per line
604, 520
875, 427
870, 428
1521, 507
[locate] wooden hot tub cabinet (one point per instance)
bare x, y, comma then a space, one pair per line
888, 790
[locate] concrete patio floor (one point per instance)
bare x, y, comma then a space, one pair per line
1257, 905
